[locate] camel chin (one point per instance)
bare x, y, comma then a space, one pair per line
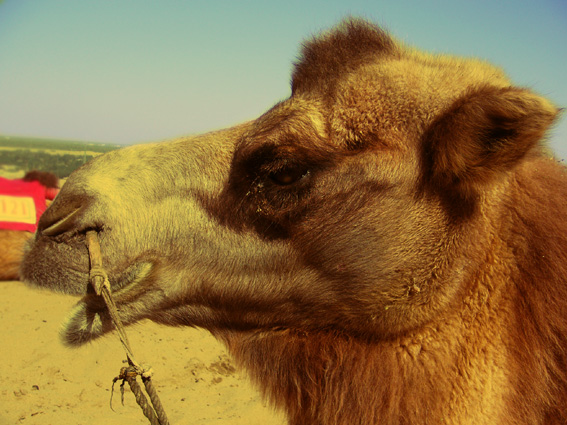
84, 324
90, 319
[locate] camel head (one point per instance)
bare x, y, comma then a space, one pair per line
343, 207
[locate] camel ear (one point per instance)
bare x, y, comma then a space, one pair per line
484, 133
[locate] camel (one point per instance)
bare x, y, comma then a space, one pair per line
12, 241
386, 246
12, 244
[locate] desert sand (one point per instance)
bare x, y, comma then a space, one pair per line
44, 382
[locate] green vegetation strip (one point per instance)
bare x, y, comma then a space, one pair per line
60, 157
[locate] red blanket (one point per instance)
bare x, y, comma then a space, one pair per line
21, 204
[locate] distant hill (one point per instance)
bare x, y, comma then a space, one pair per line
55, 144
61, 157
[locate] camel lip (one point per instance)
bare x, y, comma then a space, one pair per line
94, 302
61, 264
90, 318
124, 285
87, 320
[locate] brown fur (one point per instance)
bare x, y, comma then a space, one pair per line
46, 178
12, 244
386, 246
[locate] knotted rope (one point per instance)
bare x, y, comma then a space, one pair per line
99, 279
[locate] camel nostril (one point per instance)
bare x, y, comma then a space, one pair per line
66, 214
61, 225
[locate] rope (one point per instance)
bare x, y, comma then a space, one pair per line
141, 399
99, 279
155, 400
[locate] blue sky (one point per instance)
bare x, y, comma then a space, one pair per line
129, 71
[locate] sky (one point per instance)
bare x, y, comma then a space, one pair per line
133, 71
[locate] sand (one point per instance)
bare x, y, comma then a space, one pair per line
44, 382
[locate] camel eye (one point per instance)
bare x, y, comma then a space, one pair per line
288, 175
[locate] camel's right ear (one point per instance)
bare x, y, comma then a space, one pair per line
484, 133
